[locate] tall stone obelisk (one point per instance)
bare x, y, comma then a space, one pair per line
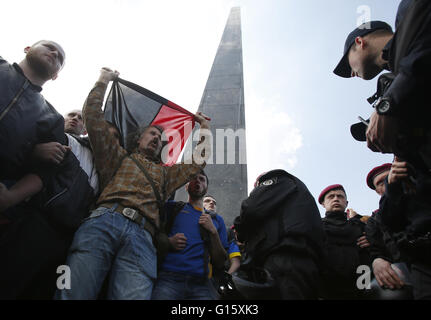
223, 102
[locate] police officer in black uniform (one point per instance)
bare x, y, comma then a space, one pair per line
282, 230
391, 269
346, 247
400, 123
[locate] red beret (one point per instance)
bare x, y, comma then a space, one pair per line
329, 188
376, 171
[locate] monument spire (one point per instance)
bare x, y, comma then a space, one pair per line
223, 102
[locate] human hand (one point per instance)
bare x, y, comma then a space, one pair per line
351, 213
107, 75
178, 241
385, 275
202, 119
53, 152
382, 133
5, 197
398, 172
206, 222
362, 242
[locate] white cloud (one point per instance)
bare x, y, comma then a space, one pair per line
272, 137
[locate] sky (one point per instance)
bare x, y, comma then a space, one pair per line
298, 113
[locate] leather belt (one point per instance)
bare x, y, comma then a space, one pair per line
133, 215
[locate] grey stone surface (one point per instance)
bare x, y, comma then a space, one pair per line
223, 102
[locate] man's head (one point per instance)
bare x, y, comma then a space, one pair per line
362, 50
46, 59
146, 140
210, 203
333, 198
73, 122
376, 178
198, 186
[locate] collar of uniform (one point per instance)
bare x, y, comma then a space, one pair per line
336, 215
386, 53
18, 68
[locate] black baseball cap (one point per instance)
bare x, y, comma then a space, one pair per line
343, 68
358, 131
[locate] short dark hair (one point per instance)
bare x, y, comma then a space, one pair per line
202, 172
209, 196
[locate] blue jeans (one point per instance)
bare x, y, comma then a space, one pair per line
108, 242
178, 286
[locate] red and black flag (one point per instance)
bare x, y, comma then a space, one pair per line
130, 106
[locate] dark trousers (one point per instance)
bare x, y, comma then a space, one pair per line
31, 249
421, 280
295, 273
335, 287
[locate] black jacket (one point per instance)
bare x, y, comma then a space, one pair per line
382, 241
27, 119
277, 211
409, 56
343, 254
408, 217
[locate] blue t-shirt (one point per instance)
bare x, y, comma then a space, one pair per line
233, 250
190, 260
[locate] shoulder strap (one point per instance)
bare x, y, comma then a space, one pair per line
212, 214
207, 242
160, 202
119, 164
83, 141
179, 205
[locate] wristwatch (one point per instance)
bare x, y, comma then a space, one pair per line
383, 106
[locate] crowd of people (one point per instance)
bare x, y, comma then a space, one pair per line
71, 195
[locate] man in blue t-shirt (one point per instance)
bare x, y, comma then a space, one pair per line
197, 239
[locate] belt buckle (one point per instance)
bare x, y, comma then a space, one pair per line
130, 213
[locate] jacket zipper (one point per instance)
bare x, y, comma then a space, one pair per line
55, 197
15, 99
